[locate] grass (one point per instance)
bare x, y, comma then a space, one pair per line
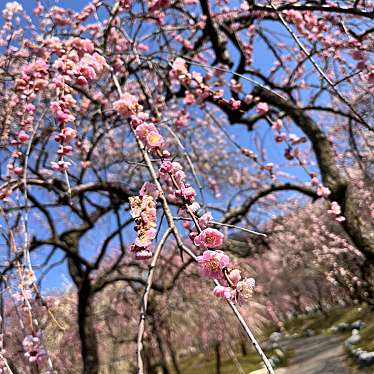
249, 363
206, 363
321, 323
367, 336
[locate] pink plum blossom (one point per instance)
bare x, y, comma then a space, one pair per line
166, 167
262, 108
154, 139
335, 208
235, 276
145, 239
277, 125
336, 211
144, 129
323, 191
60, 165
149, 189
179, 68
212, 263
235, 104
180, 177
23, 137
209, 238
34, 352
143, 210
225, 292
187, 192
143, 254
127, 105
205, 219
69, 134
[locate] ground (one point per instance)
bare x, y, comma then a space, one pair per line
314, 355
317, 355
323, 353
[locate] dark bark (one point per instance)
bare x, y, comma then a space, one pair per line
243, 347
87, 333
173, 353
160, 343
147, 359
212, 29
174, 360
217, 350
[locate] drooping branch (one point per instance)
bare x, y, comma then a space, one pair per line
185, 249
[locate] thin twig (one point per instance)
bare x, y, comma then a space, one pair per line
215, 223
238, 227
25, 216
189, 161
147, 291
6, 363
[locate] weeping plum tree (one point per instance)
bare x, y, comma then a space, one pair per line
157, 115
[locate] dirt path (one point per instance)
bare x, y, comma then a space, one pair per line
316, 355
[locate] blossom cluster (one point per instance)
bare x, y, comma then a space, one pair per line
79, 65
33, 79
216, 265
335, 210
25, 289
128, 107
143, 210
66, 135
175, 180
34, 351
213, 262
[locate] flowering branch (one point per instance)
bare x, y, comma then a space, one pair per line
183, 248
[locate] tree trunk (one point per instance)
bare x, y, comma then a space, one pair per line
174, 359
217, 349
359, 229
243, 347
147, 359
163, 361
87, 333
